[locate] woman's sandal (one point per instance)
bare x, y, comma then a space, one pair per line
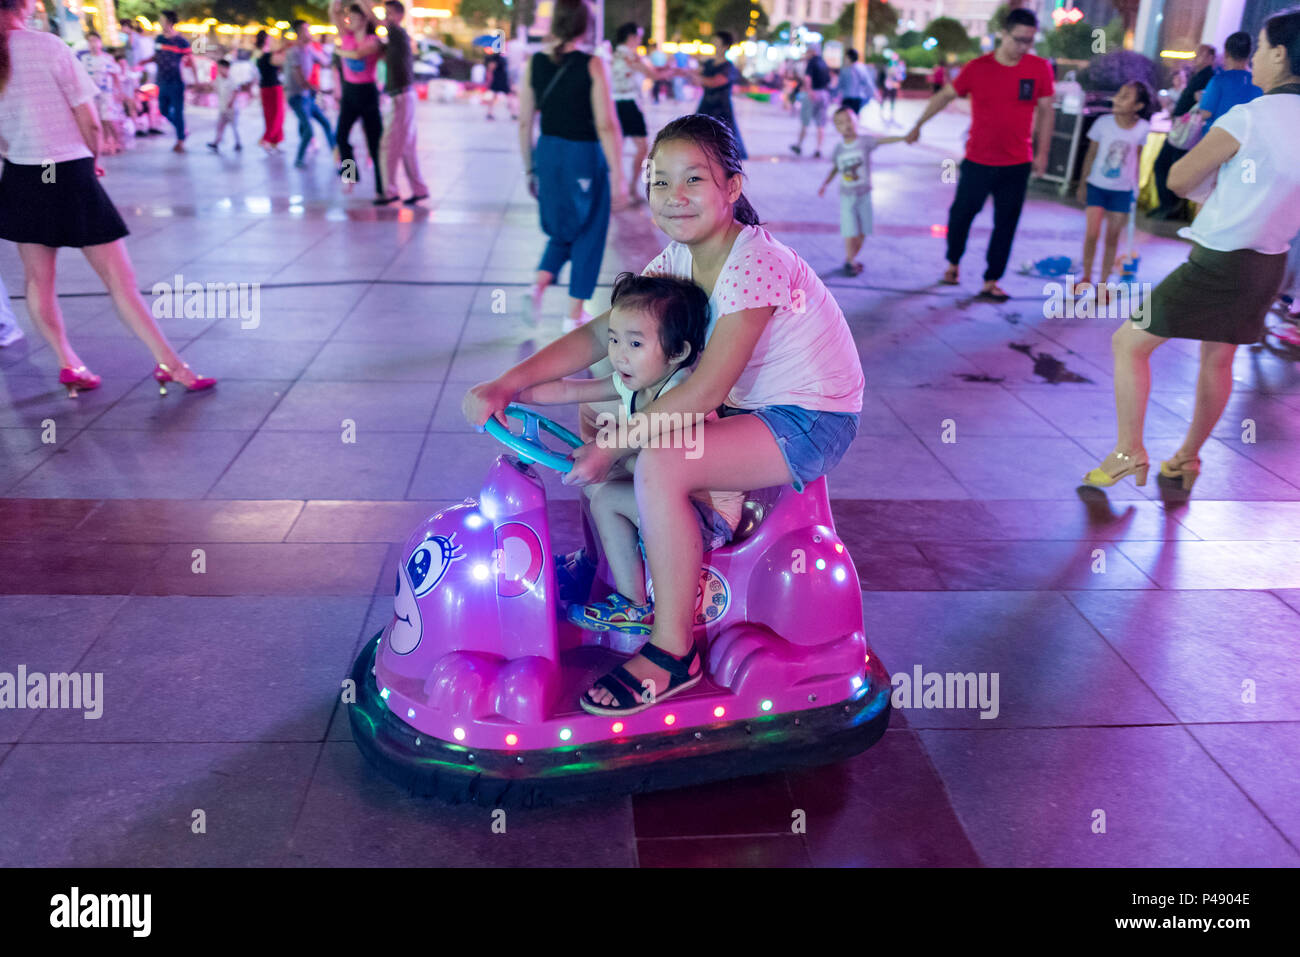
632, 695
949, 277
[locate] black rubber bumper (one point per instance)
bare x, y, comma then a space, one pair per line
431, 767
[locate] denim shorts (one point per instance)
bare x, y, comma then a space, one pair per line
1111, 200
811, 442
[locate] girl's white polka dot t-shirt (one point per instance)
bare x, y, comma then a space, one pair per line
806, 356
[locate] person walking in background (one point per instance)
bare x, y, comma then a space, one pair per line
498, 84
851, 162
659, 60
1011, 100
358, 51
892, 75
1240, 239
272, 93
1202, 73
1233, 84
300, 61
229, 91
938, 77
816, 99
171, 51
575, 167
1108, 188
47, 116
856, 86
717, 76
625, 66
398, 147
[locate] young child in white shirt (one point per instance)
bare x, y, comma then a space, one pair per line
851, 162
105, 73
229, 93
1108, 189
657, 329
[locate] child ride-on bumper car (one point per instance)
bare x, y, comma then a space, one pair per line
471, 692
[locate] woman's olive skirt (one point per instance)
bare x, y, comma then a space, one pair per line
1217, 296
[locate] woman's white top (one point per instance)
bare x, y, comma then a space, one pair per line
45, 83
1256, 199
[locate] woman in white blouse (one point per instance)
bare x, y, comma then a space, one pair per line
1246, 171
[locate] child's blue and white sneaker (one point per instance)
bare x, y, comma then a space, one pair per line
615, 613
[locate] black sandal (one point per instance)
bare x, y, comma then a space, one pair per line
627, 691
996, 294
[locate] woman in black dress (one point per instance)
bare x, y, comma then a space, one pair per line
718, 75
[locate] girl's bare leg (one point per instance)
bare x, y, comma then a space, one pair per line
1114, 227
113, 264
1132, 348
739, 454
1091, 232
43, 301
614, 509
1213, 389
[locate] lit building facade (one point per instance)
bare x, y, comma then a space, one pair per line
1178, 26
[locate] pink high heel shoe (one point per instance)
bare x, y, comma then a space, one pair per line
77, 380
184, 375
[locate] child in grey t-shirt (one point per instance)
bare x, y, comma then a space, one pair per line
851, 162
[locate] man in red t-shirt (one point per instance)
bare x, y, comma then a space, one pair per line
1011, 99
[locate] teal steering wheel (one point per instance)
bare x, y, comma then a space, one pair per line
529, 444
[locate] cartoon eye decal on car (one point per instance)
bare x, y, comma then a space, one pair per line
430, 561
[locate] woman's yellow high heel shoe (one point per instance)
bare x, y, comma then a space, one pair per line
1186, 470
1129, 465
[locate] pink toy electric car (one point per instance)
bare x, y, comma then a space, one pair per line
471, 691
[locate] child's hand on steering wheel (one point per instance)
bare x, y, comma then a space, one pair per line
486, 400
591, 464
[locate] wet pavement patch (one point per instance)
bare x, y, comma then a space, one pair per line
981, 377
1050, 368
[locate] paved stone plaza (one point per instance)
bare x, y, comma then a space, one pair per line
1127, 627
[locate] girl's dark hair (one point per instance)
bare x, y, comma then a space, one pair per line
681, 307
1145, 98
1283, 30
728, 41
570, 19
714, 137
261, 39
625, 31
851, 54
